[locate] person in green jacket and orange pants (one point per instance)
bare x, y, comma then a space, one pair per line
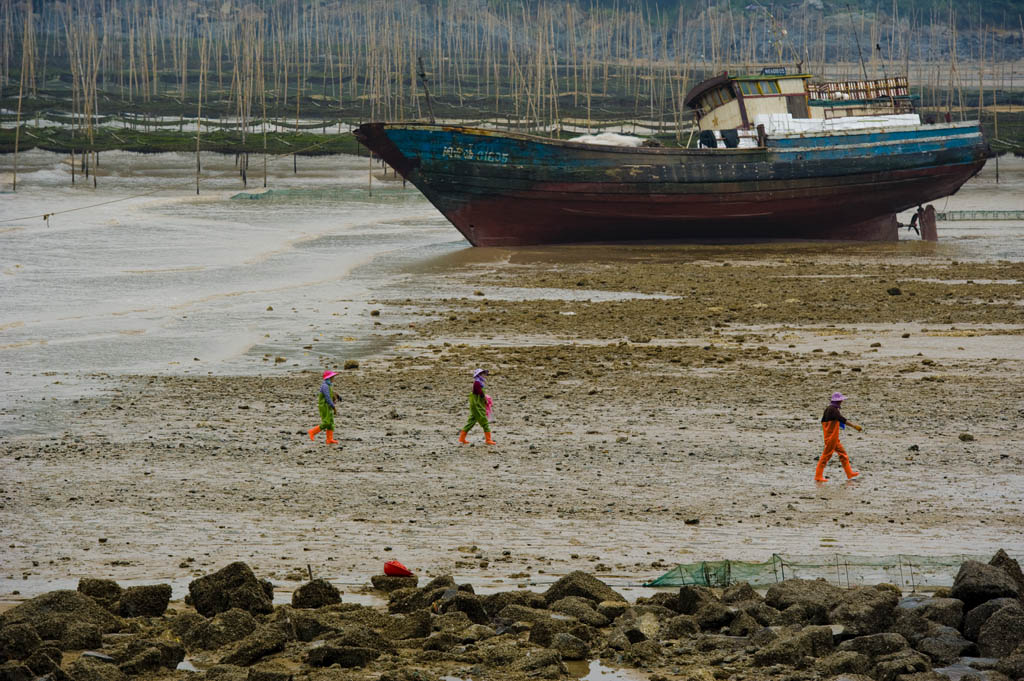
325, 404
478, 408
831, 422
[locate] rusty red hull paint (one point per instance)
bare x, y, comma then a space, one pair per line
557, 192
551, 215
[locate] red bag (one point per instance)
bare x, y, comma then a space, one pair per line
395, 569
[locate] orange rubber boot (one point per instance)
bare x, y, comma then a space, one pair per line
850, 473
330, 437
462, 437
313, 431
489, 441
819, 472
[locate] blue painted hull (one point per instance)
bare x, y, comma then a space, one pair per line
501, 188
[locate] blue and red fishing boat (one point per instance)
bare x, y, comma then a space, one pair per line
777, 157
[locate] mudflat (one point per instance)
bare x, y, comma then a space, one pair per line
653, 404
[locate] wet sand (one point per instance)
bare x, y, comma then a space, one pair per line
617, 422
654, 404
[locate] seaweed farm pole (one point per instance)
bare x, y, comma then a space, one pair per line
25, 55
199, 106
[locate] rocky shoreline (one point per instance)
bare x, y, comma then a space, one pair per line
229, 630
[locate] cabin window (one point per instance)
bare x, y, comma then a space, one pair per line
748, 87
768, 87
726, 94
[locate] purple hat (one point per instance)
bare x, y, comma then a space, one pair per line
838, 396
480, 371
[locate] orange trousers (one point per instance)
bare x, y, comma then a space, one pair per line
830, 429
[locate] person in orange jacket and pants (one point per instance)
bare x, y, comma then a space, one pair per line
831, 422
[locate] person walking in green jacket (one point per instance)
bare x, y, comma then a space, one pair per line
478, 408
325, 404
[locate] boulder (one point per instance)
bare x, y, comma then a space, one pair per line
645, 653
945, 645
15, 671
315, 594
442, 641
580, 608
360, 636
463, 601
712, 616
144, 655
268, 674
520, 613
812, 641
569, 647
144, 601
1013, 664
180, 622
476, 632
81, 635
1002, 632
976, 617
843, 662
804, 614
743, 625
391, 583
265, 640
494, 603
224, 628
692, 597
864, 610
875, 646
800, 591
93, 669
234, 586
740, 592
1011, 567
106, 592
406, 600
51, 614
407, 674
911, 626
977, 582
545, 664
44, 660
612, 609
896, 666
765, 614
17, 641
578, 583
413, 625
227, 672
680, 626
663, 599
543, 632
343, 656
948, 612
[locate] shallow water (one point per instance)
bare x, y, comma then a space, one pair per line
160, 280
174, 282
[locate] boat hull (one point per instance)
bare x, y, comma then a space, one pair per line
505, 189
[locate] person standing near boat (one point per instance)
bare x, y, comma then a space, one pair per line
831, 423
478, 408
325, 404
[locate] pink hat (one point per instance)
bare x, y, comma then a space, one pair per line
838, 396
329, 373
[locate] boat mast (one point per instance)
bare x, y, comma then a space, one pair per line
856, 37
421, 74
